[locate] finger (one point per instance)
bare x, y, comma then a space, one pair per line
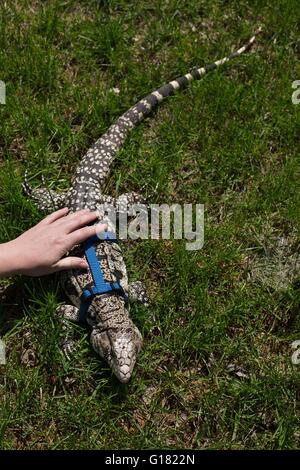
75, 214
70, 262
64, 221
82, 234
55, 216
81, 218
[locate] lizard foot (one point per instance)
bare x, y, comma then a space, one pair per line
63, 314
137, 293
44, 199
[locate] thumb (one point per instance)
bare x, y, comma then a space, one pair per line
70, 262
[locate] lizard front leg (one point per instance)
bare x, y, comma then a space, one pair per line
104, 203
137, 293
66, 313
108, 205
125, 202
44, 199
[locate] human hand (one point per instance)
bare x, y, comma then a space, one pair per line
39, 250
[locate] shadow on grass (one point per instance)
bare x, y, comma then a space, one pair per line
13, 302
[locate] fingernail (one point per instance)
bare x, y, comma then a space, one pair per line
101, 227
83, 264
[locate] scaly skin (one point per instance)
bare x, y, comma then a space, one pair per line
113, 336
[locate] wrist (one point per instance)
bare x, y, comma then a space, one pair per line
10, 259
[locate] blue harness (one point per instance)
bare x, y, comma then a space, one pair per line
100, 285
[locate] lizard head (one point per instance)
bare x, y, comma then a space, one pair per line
119, 348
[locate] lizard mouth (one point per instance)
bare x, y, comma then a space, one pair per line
123, 373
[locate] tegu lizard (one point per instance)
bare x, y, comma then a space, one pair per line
113, 334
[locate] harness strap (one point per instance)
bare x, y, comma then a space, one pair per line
100, 285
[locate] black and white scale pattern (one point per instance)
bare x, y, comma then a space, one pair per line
113, 336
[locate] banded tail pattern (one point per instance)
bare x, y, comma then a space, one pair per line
95, 165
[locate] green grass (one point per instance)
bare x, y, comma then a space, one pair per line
219, 374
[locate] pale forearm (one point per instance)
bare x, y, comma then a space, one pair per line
41, 250
10, 260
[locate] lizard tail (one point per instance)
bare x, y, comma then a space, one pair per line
144, 106
94, 166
